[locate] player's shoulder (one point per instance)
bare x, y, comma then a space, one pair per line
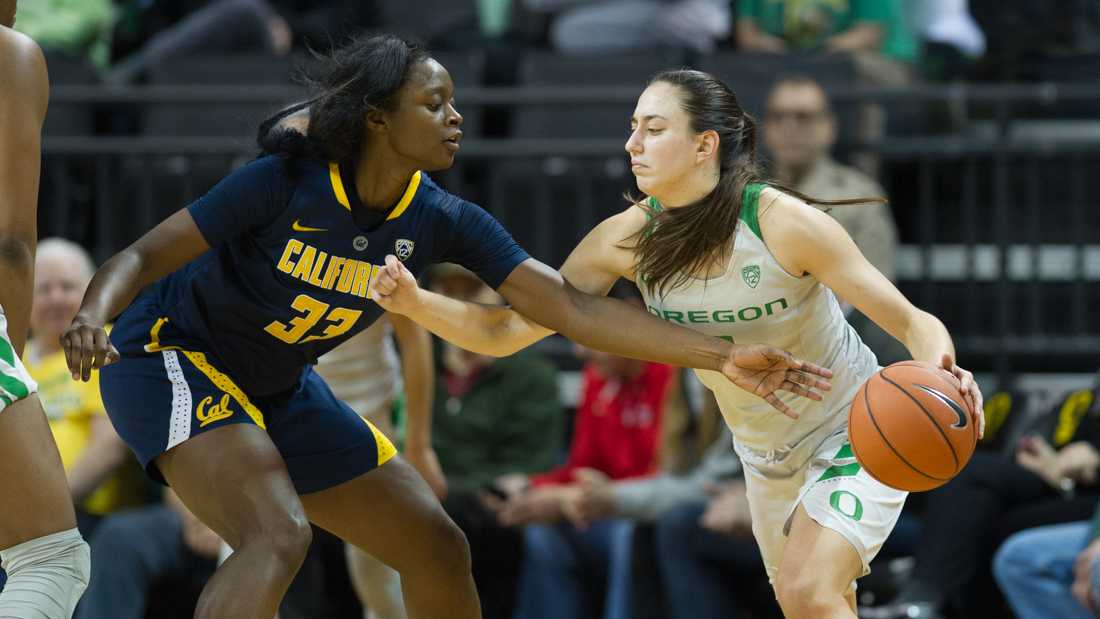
627, 222
18, 47
439, 202
780, 211
22, 65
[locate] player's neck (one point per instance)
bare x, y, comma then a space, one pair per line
381, 179
693, 187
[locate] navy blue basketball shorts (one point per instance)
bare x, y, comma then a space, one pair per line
167, 389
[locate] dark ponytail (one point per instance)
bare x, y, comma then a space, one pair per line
365, 74
679, 242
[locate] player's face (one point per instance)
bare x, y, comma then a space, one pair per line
59, 283
7, 13
663, 148
424, 127
798, 127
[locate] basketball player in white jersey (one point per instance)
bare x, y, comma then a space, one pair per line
715, 249
45, 558
367, 374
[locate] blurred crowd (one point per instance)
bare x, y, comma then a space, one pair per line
892, 41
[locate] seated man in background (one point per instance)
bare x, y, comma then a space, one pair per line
800, 130
494, 420
103, 476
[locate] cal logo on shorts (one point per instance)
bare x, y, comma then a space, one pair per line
207, 412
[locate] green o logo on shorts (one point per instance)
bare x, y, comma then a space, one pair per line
847, 503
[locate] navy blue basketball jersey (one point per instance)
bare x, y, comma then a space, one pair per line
293, 255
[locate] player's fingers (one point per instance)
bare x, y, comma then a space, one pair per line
813, 368
778, 405
87, 352
947, 362
70, 354
385, 282
101, 347
799, 390
809, 380
112, 354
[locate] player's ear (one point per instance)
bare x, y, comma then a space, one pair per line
706, 145
376, 120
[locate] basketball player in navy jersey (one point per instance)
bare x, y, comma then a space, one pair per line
44, 556
229, 301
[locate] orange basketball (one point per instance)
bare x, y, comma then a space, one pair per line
910, 426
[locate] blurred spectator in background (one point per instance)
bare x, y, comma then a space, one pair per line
706, 556
873, 32
103, 477
952, 39
367, 374
1052, 478
78, 28
799, 130
495, 422
236, 26
615, 436
162, 548
1052, 571
599, 26
219, 27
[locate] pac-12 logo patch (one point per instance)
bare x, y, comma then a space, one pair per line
751, 275
359, 243
404, 249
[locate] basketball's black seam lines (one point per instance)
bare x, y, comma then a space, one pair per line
871, 416
930, 416
886, 441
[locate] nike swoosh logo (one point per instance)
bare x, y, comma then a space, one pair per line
297, 227
963, 417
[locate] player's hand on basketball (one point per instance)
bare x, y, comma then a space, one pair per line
765, 371
87, 347
969, 390
395, 288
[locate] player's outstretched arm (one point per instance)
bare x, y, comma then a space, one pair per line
172, 244
24, 93
805, 239
492, 330
540, 292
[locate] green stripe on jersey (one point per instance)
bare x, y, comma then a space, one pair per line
750, 203
13, 386
750, 200
847, 470
6, 352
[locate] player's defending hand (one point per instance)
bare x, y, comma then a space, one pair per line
87, 347
394, 288
763, 371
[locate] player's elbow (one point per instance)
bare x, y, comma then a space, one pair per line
17, 253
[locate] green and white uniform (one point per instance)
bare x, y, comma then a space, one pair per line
15, 382
788, 461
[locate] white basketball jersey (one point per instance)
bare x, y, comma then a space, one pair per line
755, 301
364, 371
